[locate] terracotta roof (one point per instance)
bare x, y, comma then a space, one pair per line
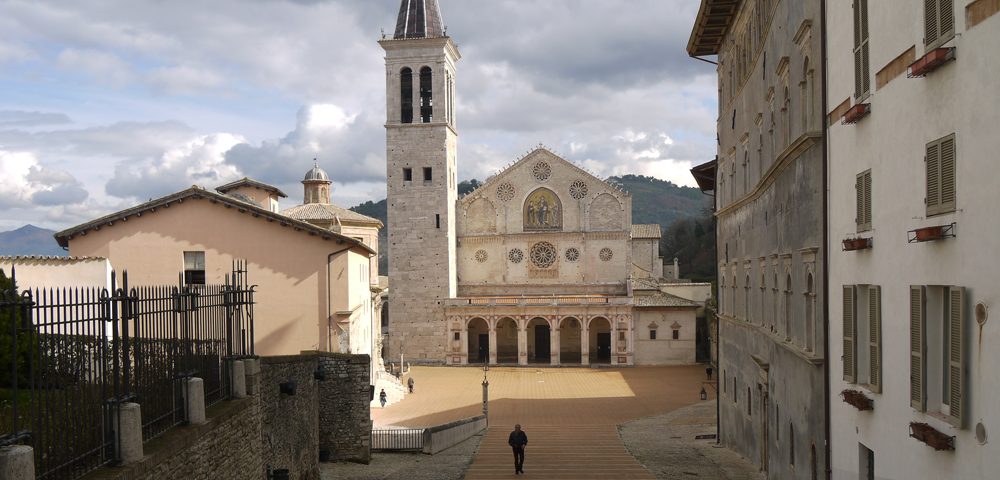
710, 26
327, 211
249, 182
196, 192
645, 284
419, 19
646, 230
663, 300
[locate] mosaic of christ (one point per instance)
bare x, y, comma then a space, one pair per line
542, 211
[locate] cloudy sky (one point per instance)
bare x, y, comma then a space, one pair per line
106, 103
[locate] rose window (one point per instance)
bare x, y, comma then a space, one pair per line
578, 189
572, 254
542, 171
515, 255
505, 192
543, 254
606, 254
482, 256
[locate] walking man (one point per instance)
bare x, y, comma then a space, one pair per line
382, 397
409, 383
517, 440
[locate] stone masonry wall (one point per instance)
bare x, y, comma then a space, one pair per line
290, 432
345, 423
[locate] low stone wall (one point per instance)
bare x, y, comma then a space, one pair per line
290, 432
441, 437
345, 424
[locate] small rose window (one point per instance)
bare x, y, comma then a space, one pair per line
606, 254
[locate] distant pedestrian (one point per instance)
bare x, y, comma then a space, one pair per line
517, 441
382, 397
708, 371
409, 383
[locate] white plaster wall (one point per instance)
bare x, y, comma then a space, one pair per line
664, 350
961, 97
58, 273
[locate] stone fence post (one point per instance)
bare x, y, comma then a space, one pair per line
127, 423
194, 400
17, 461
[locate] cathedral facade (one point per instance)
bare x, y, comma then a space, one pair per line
541, 264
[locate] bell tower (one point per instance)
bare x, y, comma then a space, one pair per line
421, 177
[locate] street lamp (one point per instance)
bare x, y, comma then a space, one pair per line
703, 394
486, 393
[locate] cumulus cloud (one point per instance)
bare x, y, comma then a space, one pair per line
200, 161
24, 182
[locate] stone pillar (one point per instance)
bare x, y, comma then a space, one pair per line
194, 400
493, 345
252, 377
584, 343
554, 344
614, 340
127, 422
239, 379
17, 461
464, 338
522, 342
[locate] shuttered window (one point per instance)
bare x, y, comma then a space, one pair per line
918, 375
863, 191
939, 22
862, 81
940, 166
955, 385
875, 337
850, 365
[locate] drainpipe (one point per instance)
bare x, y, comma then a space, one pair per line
826, 236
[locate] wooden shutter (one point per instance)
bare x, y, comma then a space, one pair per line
918, 397
933, 166
939, 22
956, 355
850, 364
875, 337
862, 81
863, 192
948, 173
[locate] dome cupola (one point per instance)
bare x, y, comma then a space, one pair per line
316, 186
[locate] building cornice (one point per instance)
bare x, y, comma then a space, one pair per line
792, 152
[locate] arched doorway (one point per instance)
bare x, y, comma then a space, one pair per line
569, 341
600, 340
479, 341
506, 340
539, 338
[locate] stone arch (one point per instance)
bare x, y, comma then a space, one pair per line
478, 330
481, 216
599, 329
506, 334
570, 332
542, 211
605, 213
539, 336
426, 95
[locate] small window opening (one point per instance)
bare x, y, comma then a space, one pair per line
621, 336
677, 334
407, 174
428, 174
437, 220
458, 336
194, 268
652, 334
426, 99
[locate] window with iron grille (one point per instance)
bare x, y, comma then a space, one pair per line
194, 268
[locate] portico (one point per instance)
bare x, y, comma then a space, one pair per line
550, 330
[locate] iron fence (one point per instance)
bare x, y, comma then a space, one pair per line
397, 439
73, 355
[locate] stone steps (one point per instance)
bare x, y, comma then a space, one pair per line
558, 452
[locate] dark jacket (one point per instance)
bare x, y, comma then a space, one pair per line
517, 438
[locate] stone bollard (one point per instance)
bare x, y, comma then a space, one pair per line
252, 368
127, 422
17, 461
239, 379
194, 400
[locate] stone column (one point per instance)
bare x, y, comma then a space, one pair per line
584, 343
464, 338
194, 400
239, 379
17, 461
522, 342
493, 345
554, 344
614, 340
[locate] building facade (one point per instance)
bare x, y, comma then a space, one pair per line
770, 207
912, 146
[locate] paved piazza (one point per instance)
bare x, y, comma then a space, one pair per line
570, 414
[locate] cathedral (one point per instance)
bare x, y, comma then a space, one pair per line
540, 265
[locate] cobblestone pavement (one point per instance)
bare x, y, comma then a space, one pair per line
571, 416
665, 444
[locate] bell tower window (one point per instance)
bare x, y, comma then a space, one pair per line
406, 95
426, 99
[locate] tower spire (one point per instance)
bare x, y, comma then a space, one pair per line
419, 19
